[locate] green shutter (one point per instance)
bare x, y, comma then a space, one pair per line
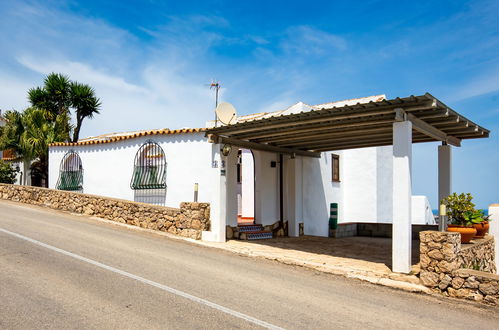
70, 180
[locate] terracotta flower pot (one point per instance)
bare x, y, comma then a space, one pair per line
467, 233
481, 229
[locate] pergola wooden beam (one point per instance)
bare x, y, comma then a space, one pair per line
351, 126
261, 146
426, 128
325, 126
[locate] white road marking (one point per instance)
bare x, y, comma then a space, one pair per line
146, 281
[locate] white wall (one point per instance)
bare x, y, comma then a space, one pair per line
421, 211
363, 193
319, 191
360, 185
266, 188
494, 229
108, 167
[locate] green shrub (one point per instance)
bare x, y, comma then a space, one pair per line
7, 172
461, 210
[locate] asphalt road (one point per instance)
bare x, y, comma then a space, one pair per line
63, 271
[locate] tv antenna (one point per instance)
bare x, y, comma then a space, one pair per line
216, 86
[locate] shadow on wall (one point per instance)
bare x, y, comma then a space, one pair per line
150, 196
315, 207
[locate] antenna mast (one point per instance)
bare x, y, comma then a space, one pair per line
216, 86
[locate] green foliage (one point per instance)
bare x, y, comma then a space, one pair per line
461, 210
48, 120
29, 134
59, 95
7, 172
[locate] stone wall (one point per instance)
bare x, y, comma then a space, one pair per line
188, 221
445, 264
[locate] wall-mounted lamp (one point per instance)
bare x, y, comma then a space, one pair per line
226, 149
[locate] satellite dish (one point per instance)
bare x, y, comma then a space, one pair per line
226, 113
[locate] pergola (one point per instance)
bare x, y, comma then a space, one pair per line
398, 122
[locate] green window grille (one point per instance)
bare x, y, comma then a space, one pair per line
149, 171
70, 173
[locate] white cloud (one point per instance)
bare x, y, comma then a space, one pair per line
310, 41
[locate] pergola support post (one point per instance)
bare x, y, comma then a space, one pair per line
402, 194
444, 171
293, 194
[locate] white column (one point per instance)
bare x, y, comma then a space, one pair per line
218, 217
444, 172
402, 230
293, 202
494, 230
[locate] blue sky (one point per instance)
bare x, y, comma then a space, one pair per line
150, 63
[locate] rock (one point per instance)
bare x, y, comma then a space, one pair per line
429, 279
447, 267
471, 283
460, 293
229, 233
457, 282
491, 300
435, 254
490, 288
424, 261
444, 282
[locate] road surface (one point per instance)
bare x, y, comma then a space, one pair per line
63, 271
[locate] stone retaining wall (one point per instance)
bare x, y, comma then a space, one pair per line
445, 266
188, 221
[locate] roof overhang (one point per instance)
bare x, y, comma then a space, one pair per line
351, 126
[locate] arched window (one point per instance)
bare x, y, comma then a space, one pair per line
149, 171
70, 172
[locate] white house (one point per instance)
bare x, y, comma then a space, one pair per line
285, 166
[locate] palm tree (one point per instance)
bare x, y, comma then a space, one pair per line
85, 103
38, 133
29, 134
59, 95
54, 96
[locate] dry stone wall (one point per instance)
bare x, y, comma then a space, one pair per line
461, 271
187, 221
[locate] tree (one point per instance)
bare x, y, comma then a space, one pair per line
85, 103
29, 134
7, 172
38, 132
59, 95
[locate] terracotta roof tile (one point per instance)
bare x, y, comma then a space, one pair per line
108, 138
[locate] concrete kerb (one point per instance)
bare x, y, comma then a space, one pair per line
404, 282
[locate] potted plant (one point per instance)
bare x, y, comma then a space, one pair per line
482, 226
462, 215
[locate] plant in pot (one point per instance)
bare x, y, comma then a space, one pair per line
480, 223
462, 214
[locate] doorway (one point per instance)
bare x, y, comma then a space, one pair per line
245, 176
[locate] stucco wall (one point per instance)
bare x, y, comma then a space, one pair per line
363, 194
108, 167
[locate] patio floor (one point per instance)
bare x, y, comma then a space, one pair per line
369, 256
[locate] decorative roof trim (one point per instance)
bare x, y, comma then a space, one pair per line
128, 137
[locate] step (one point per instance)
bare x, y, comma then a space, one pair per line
249, 228
259, 235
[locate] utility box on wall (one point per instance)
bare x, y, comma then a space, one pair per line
333, 218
